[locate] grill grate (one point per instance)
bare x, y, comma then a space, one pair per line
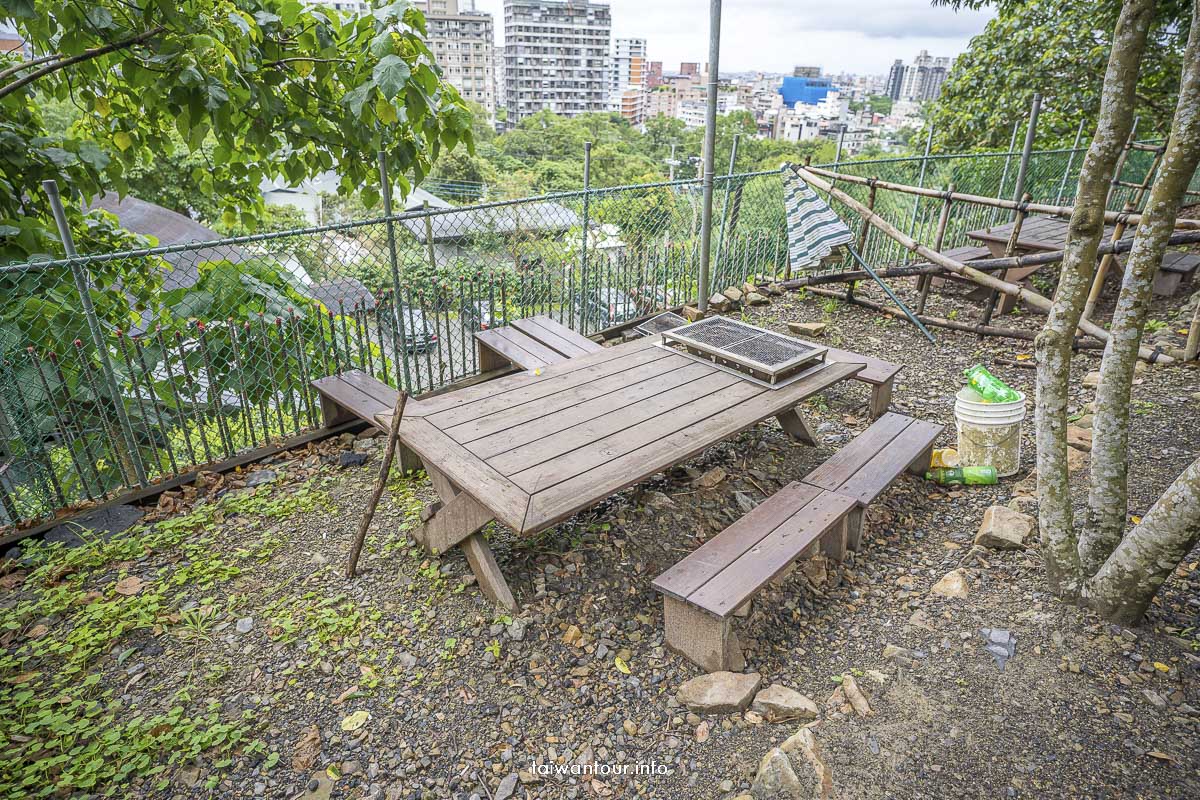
763, 354
663, 322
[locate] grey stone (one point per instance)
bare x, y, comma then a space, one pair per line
776, 778
1004, 529
103, 522
1000, 643
756, 299
244, 625
507, 786
808, 328
733, 294
516, 630
349, 459
719, 692
259, 477
778, 703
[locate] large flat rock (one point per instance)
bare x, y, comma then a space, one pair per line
719, 692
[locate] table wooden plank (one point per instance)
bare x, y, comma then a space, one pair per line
551, 324
772, 555
522, 380
560, 344
509, 351
371, 387
844, 463
695, 570
596, 452
536, 452
617, 382
497, 493
547, 355
554, 379
535, 429
558, 501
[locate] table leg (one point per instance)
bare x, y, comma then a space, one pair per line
795, 426
457, 521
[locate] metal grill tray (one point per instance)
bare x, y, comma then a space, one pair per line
661, 323
764, 354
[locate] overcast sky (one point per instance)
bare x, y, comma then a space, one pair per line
862, 36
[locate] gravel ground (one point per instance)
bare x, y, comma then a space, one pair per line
457, 698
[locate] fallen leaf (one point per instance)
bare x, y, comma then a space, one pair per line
1161, 667
1161, 756
702, 731
1023, 356
24, 677
1136, 519
621, 665
346, 695
37, 631
356, 720
130, 586
305, 753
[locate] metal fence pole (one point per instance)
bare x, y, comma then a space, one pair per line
837, 154
912, 225
83, 286
1062, 185
737, 137
1012, 143
399, 345
710, 140
583, 254
1026, 151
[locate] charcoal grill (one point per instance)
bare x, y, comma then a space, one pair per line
767, 356
661, 323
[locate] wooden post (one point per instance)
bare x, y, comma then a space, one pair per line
925, 281
1009, 247
862, 236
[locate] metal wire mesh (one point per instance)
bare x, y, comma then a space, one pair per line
197, 352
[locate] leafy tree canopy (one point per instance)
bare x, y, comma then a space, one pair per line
1059, 49
229, 91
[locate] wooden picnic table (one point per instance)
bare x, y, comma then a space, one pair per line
1038, 234
531, 450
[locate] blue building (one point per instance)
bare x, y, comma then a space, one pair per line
809, 91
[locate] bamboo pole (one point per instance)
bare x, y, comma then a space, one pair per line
1009, 247
940, 322
862, 237
926, 281
982, 278
1032, 208
1119, 231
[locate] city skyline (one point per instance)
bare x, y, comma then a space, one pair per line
864, 37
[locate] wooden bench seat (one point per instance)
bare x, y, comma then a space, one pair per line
866, 466
880, 374
354, 395
530, 344
1177, 268
701, 592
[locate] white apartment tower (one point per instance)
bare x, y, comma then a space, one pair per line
556, 57
463, 43
627, 80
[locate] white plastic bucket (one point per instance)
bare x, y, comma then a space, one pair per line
989, 434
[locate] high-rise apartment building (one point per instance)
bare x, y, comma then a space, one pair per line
556, 57
806, 72
627, 79
920, 81
463, 43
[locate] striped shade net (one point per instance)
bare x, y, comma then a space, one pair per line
813, 229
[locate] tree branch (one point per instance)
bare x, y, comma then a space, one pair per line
86, 55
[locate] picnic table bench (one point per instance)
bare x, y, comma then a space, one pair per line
703, 591
530, 450
1045, 234
530, 344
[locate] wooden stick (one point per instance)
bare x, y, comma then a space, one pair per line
1032, 298
983, 200
380, 482
1193, 341
1009, 248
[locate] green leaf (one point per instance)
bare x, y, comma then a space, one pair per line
22, 9
357, 97
100, 17
391, 73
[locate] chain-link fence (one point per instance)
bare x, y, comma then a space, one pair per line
119, 370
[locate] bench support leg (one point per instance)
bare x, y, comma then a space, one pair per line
457, 520
409, 461
834, 540
705, 640
920, 464
794, 425
488, 359
881, 398
854, 526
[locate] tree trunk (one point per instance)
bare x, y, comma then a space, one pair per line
1125, 585
1107, 497
1053, 344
